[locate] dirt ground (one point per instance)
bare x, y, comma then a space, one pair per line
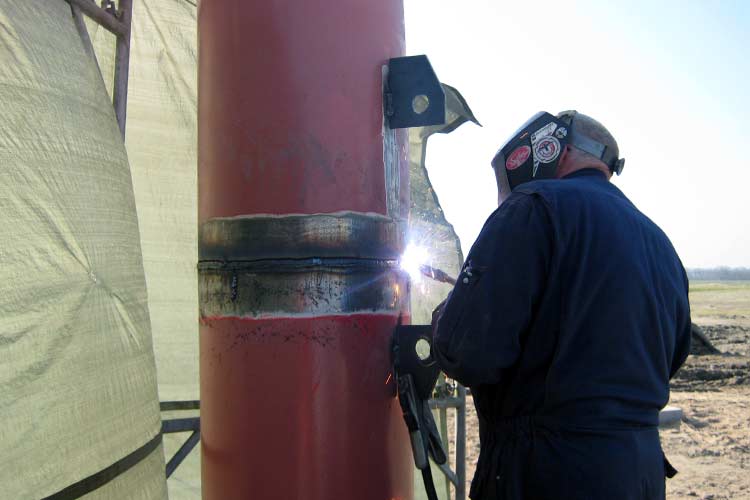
710, 447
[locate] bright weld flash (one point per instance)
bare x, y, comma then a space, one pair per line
414, 257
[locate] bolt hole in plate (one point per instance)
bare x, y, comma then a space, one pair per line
415, 97
420, 103
423, 349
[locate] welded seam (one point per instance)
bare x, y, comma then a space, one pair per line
302, 264
304, 315
339, 214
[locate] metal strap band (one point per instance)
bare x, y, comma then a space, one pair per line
593, 147
590, 146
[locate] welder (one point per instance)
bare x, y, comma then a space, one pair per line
567, 321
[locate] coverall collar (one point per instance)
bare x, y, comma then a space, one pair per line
586, 172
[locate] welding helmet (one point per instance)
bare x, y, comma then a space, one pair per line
534, 151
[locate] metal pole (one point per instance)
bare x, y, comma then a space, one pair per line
461, 444
443, 412
302, 210
122, 65
448, 402
101, 16
450, 475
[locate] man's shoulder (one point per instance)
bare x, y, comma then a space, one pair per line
520, 200
572, 202
516, 213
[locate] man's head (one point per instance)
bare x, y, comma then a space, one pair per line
548, 147
572, 158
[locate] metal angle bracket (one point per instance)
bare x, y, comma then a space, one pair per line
413, 95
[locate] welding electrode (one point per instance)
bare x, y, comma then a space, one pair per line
437, 274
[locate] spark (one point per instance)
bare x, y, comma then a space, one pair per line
414, 257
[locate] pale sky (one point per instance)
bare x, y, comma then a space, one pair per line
668, 79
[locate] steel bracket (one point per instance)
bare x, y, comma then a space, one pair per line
413, 95
175, 425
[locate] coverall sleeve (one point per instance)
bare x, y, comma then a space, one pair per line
684, 333
479, 333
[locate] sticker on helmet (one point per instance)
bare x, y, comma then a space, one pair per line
518, 157
547, 149
543, 132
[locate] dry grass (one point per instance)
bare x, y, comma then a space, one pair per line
723, 301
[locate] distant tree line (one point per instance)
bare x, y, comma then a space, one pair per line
719, 274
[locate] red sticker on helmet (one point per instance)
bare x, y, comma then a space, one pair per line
517, 158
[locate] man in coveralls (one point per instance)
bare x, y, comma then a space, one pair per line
568, 319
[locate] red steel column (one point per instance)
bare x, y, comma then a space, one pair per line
302, 207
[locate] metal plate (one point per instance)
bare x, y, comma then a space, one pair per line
414, 96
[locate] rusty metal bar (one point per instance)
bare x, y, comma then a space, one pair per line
122, 65
104, 18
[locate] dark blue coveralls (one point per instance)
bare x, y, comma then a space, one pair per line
569, 318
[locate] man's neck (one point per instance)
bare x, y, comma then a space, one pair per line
565, 170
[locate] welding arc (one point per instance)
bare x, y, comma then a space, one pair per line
437, 274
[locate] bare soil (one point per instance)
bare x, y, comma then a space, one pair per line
711, 446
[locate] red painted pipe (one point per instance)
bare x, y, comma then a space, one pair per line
290, 104
302, 200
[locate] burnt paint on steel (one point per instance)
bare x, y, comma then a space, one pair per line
299, 236
311, 287
301, 409
290, 113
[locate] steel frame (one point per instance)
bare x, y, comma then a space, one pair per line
118, 22
442, 404
457, 402
171, 426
